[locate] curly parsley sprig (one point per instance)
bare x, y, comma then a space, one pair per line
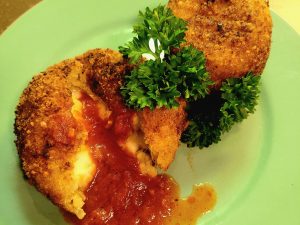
194, 79
164, 70
151, 84
160, 83
156, 31
218, 112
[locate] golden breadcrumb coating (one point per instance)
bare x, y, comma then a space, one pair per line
162, 129
159, 129
52, 136
235, 35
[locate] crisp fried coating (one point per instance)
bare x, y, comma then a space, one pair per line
51, 133
162, 128
51, 136
234, 35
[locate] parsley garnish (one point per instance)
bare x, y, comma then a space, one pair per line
165, 71
158, 26
194, 79
151, 84
218, 112
171, 71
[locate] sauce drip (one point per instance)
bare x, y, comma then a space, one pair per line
120, 194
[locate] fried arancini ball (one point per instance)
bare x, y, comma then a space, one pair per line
52, 136
234, 35
50, 133
160, 128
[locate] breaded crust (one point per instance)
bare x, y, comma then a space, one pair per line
235, 35
51, 134
50, 139
162, 130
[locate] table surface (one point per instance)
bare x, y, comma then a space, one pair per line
12, 9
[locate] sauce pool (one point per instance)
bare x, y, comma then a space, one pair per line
120, 194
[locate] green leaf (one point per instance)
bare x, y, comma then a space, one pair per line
218, 112
149, 86
195, 80
159, 24
159, 82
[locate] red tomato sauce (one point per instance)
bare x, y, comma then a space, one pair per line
119, 193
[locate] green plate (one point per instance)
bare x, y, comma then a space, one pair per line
255, 169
